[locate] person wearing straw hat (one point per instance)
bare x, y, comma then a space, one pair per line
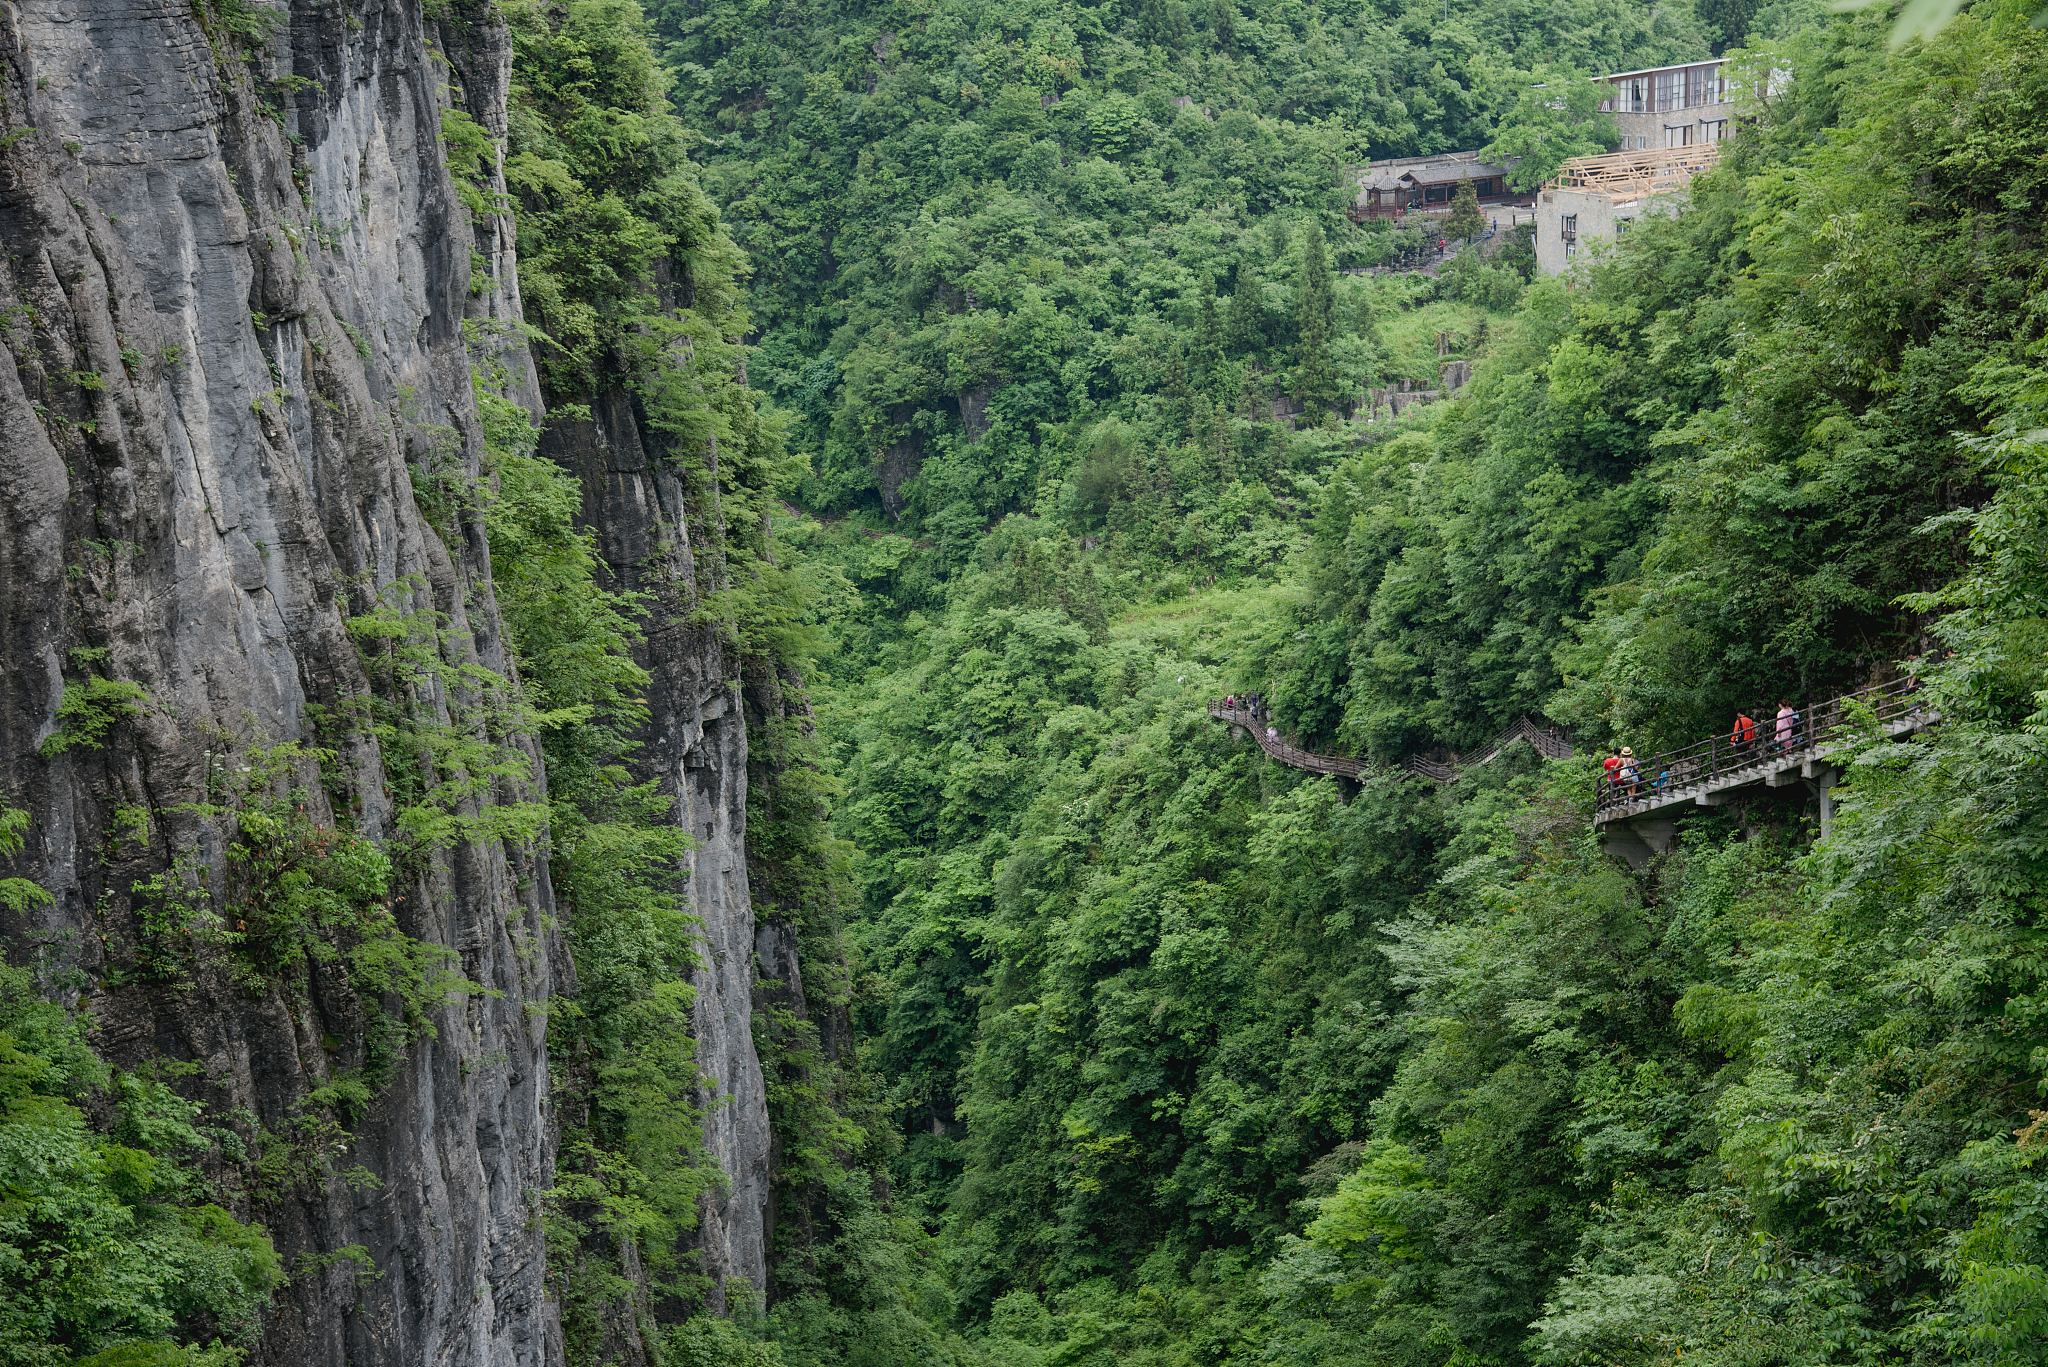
1626, 774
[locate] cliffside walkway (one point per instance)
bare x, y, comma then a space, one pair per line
1547, 741
1289, 754
1707, 773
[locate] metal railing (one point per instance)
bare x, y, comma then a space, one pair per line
1285, 753
1731, 758
1547, 740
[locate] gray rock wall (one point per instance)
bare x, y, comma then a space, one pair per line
235, 311
658, 529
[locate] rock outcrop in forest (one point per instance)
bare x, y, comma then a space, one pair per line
237, 332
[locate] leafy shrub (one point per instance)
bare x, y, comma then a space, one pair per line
1471, 278
91, 708
109, 1239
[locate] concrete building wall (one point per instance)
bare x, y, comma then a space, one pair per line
1676, 127
1569, 221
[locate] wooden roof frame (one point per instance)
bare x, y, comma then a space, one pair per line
1635, 174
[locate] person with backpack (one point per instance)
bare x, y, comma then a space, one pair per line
1788, 725
1744, 734
1626, 774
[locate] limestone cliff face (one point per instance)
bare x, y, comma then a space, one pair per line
660, 534
235, 309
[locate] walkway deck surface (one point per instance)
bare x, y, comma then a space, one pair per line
1547, 740
1289, 754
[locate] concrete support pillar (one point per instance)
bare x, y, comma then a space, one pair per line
1640, 840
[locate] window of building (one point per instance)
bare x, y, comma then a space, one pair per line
1568, 227
1621, 225
1678, 135
1482, 187
1436, 194
1715, 129
1670, 91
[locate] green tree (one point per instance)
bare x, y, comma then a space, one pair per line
1554, 115
1730, 20
1464, 220
1209, 347
1244, 318
1223, 24
110, 1239
1316, 382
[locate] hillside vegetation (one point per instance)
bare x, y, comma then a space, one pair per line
1192, 1058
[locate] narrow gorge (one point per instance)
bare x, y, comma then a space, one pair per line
737, 683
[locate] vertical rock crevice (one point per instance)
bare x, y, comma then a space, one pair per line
659, 531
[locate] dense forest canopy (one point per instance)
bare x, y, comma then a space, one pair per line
1006, 217
1193, 1058
1023, 350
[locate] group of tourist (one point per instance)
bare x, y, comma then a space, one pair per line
1250, 703
1620, 765
1622, 772
1785, 737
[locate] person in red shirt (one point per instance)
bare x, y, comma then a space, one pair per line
1744, 734
1611, 764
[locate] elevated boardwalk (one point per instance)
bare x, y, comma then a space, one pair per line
1547, 740
1289, 754
1638, 818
